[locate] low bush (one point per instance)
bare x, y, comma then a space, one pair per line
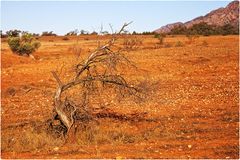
160, 37
156, 35
24, 45
191, 38
14, 43
132, 43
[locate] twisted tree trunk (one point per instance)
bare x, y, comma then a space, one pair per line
66, 109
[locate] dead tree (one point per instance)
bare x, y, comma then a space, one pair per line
97, 67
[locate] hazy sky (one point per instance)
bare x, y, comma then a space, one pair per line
64, 16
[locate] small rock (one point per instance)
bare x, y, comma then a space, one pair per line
11, 91
189, 146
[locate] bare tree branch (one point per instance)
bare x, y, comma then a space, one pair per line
94, 69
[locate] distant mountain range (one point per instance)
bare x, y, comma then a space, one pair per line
218, 17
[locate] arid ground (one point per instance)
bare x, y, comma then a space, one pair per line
191, 110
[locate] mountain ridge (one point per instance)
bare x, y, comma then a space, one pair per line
217, 17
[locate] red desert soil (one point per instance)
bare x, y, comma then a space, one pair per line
191, 113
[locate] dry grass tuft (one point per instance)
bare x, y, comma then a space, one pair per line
29, 139
179, 44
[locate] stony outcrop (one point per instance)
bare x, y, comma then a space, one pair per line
218, 17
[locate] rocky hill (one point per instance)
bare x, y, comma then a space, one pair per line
218, 17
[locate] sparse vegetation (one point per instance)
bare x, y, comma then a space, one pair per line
205, 29
72, 33
191, 38
131, 43
147, 33
113, 119
161, 38
83, 32
98, 104
156, 35
24, 45
46, 33
13, 33
30, 139
179, 44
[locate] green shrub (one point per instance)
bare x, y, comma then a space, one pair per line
156, 35
23, 45
14, 43
25, 48
160, 37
